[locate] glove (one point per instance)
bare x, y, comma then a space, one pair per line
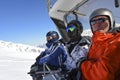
72, 74
34, 68
63, 67
80, 61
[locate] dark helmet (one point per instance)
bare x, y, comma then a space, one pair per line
74, 29
104, 12
52, 36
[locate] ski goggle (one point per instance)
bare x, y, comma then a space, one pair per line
99, 20
70, 28
49, 38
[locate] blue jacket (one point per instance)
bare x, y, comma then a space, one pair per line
55, 55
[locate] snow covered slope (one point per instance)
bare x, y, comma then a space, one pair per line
20, 50
16, 59
87, 32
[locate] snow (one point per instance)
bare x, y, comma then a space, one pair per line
16, 59
87, 32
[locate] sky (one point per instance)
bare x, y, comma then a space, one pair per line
24, 21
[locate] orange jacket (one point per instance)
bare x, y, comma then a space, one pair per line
103, 58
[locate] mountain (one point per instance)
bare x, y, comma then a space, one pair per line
87, 32
19, 50
19, 47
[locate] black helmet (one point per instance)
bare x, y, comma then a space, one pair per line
103, 12
52, 36
74, 29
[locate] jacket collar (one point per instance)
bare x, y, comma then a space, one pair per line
99, 36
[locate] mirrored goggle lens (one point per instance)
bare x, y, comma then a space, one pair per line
100, 20
49, 38
70, 28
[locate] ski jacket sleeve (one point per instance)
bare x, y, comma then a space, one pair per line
54, 55
103, 61
44, 52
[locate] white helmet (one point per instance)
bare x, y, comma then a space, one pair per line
104, 12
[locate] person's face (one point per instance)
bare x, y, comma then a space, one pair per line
100, 23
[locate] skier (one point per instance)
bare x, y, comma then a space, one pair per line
77, 47
102, 62
53, 56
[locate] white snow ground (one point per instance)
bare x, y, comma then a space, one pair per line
15, 60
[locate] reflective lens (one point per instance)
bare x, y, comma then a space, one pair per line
70, 28
49, 38
99, 20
